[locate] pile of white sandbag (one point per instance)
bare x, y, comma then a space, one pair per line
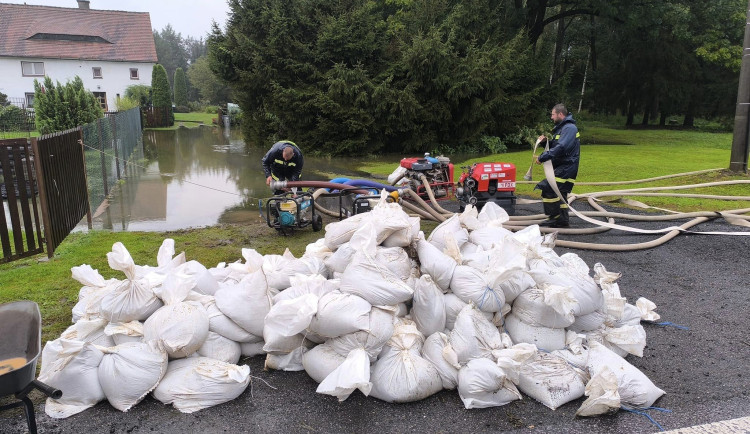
375, 306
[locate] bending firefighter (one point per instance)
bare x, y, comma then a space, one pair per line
564, 149
283, 162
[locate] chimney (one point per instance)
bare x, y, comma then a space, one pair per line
83, 4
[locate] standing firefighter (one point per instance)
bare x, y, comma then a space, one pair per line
283, 162
565, 153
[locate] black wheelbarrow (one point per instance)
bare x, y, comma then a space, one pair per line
20, 346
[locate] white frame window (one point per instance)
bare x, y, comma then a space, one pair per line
29, 99
97, 71
134, 74
32, 69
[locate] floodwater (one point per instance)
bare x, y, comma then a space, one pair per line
198, 177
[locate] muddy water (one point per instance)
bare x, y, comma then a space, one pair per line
198, 177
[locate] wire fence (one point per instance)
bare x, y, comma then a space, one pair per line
16, 119
112, 143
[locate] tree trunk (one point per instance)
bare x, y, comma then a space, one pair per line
592, 45
690, 113
585, 76
631, 113
559, 41
646, 116
663, 119
535, 19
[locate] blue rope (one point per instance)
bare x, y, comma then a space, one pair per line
484, 294
669, 324
642, 412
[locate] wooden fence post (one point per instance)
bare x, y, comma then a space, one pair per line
114, 145
42, 195
89, 220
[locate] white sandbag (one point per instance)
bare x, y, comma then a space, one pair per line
72, 367
545, 338
450, 226
468, 218
285, 321
646, 307
368, 278
575, 352
492, 214
512, 282
238, 270
274, 269
224, 326
165, 260
474, 336
627, 339
302, 266
453, 306
551, 380
489, 237
589, 322
512, 358
401, 374
181, 326
220, 348
340, 259
546, 306
483, 384
582, 287
470, 248
205, 282
428, 306
634, 387
320, 361
91, 293
389, 219
373, 340
128, 372
89, 330
318, 249
134, 298
338, 233
630, 315
397, 261
196, 383
603, 394
340, 313
248, 302
301, 285
438, 351
471, 285
403, 237
122, 333
252, 349
352, 374
291, 362
434, 262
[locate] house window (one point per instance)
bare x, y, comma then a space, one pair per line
134, 73
102, 98
97, 71
29, 99
32, 69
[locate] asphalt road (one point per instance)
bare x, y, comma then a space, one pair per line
697, 281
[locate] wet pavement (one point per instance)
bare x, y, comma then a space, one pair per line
697, 281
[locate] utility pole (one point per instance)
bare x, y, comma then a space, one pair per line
739, 157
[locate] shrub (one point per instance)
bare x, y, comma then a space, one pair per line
126, 103
160, 94
180, 88
140, 93
12, 118
60, 107
182, 109
212, 109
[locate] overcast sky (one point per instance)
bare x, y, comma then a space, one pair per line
189, 17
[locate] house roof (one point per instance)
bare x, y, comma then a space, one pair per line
70, 33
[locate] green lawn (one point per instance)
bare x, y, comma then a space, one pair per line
190, 120
18, 134
612, 154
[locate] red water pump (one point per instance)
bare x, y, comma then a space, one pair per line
484, 182
438, 171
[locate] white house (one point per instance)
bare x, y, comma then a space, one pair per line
109, 50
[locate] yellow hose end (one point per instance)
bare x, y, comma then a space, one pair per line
394, 195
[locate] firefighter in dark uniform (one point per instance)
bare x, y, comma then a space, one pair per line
283, 162
565, 153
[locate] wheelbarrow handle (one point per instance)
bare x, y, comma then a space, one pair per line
47, 390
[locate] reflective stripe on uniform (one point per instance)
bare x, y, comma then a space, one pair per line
551, 200
276, 178
564, 205
578, 135
557, 137
279, 162
292, 164
564, 180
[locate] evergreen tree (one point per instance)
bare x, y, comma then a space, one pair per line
60, 107
160, 87
180, 88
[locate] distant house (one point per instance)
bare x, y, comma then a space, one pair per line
109, 50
